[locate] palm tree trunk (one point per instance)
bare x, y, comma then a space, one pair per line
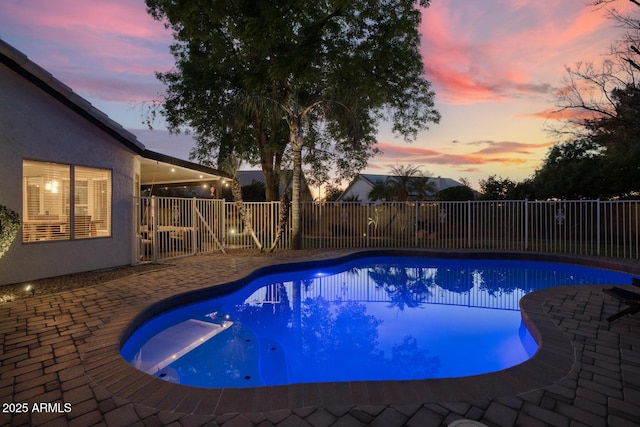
296, 146
283, 218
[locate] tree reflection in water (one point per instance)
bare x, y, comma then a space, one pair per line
407, 287
408, 361
334, 338
341, 338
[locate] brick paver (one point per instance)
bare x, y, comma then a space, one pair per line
60, 364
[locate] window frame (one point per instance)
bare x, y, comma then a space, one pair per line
69, 207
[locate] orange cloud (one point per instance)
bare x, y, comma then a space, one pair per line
405, 150
562, 114
509, 147
514, 153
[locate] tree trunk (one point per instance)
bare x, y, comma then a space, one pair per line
296, 147
283, 218
272, 183
236, 190
270, 159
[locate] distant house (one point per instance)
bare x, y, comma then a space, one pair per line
360, 187
71, 173
249, 177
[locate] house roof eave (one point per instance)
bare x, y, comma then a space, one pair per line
161, 169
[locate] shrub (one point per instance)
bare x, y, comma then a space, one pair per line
9, 226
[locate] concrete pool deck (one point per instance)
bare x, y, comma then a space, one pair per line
60, 364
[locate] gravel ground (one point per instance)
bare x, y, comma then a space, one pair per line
52, 285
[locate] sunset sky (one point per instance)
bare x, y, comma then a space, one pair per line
494, 65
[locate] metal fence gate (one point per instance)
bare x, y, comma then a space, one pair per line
169, 227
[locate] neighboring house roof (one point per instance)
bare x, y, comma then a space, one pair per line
364, 182
183, 172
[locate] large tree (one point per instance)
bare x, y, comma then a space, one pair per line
329, 70
498, 188
619, 139
604, 162
629, 45
572, 170
588, 92
601, 104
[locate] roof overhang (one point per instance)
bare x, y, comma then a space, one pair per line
158, 169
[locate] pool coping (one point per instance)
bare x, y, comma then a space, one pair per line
553, 361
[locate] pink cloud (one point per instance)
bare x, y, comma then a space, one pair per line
473, 52
494, 51
116, 17
108, 50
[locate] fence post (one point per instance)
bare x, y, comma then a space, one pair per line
598, 226
136, 247
154, 224
318, 229
526, 224
194, 219
274, 220
367, 222
468, 223
416, 227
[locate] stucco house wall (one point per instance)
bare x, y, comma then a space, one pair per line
358, 189
35, 126
362, 185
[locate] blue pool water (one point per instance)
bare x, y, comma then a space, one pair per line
375, 318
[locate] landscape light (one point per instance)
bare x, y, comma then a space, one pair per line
30, 288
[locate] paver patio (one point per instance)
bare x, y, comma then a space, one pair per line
63, 348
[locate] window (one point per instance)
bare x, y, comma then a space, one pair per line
49, 200
92, 202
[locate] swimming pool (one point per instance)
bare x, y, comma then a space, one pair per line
372, 318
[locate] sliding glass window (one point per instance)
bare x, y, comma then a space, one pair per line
53, 209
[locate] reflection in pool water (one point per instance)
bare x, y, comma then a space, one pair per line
376, 318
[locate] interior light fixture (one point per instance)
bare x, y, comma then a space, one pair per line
51, 186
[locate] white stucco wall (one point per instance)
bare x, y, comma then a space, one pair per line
35, 126
360, 189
